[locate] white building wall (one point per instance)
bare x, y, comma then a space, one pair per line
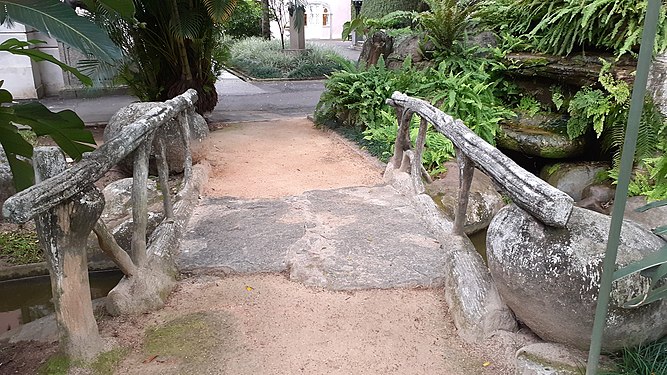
23, 77
324, 19
18, 72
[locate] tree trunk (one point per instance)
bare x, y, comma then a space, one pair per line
266, 20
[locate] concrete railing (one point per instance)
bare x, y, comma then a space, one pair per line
66, 207
545, 202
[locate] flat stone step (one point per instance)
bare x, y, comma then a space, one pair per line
351, 238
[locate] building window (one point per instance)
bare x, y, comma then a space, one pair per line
325, 17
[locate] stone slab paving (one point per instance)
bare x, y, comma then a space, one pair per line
351, 238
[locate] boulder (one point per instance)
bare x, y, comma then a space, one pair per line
378, 44
550, 277
483, 202
649, 219
404, 47
117, 215
549, 359
174, 146
572, 178
599, 198
543, 135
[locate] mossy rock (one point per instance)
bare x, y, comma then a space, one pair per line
543, 135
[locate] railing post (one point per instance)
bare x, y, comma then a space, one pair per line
63, 230
163, 175
140, 200
183, 120
466, 170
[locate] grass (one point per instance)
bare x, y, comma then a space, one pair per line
649, 359
57, 365
261, 58
20, 247
188, 337
105, 364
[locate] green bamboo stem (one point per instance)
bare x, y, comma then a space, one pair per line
629, 146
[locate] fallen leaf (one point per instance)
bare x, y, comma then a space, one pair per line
150, 359
486, 364
249, 288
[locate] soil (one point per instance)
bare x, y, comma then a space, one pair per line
266, 324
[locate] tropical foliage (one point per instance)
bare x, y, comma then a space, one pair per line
355, 97
565, 26
245, 21
65, 127
380, 8
169, 47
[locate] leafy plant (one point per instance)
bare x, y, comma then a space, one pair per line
245, 21
446, 23
367, 26
65, 127
261, 58
646, 359
529, 105
356, 97
563, 26
168, 46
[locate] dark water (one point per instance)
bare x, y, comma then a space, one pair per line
25, 300
479, 240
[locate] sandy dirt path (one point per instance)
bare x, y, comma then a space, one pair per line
265, 324
282, 158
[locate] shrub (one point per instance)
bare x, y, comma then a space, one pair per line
356, 98
260, 58
380, 8
246, 20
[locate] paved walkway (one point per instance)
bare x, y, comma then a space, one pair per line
342, 239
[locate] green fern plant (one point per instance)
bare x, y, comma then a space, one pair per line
563, 26
445, 25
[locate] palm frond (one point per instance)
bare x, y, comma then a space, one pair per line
219, 10
61, 22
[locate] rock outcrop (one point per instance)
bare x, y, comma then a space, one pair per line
550, 277
174, 145
483, 202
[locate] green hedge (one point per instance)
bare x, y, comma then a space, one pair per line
380, 8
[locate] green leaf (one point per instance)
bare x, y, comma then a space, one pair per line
652, 205
124, 8
61, 22
5, 96
13, 144
17, 47
21, 172
65, 127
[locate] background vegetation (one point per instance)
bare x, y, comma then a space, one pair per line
261, 58
460, 73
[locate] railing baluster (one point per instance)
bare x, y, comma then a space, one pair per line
416, 165
140, 200
466, 170
111, 248
163, 176
183, 120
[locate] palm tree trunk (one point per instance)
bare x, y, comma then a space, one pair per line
186, 72
266, 20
